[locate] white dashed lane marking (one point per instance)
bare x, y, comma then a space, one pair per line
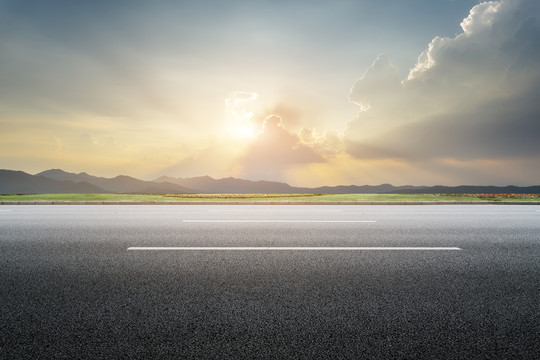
279, 221
271, 248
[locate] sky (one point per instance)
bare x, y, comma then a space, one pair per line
312, 93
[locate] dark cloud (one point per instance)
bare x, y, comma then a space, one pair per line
493, 130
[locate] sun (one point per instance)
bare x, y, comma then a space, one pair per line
239, 116
244, 131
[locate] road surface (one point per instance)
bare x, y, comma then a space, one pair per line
306, 282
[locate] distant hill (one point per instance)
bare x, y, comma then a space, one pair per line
119, 184
18, 182
56, 181
206, 184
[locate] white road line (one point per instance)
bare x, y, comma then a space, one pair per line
278, 221
288, 248
276, 210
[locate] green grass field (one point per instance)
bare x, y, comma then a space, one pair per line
269, 197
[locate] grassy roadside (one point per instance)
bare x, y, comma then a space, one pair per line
269, 197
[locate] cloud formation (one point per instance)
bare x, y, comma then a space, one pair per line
274, 151
473, 96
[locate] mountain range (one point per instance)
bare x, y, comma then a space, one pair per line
56, 181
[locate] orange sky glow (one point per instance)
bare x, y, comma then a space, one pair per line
308, 93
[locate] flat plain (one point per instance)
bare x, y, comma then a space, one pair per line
307, 198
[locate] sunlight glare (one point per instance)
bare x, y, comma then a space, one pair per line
244, 131
238, 116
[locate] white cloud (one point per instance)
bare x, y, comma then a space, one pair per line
473, 96
481, 17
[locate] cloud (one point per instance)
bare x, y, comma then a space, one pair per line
237, 100
473, 96
327, 143
91, 142
289, 109
379, 82
269, 156
274, 151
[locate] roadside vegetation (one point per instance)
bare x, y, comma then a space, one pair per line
267, 197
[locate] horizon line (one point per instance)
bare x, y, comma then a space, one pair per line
271, 181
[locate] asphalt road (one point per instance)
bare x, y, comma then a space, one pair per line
71, 289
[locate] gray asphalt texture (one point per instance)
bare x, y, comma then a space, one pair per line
70, 289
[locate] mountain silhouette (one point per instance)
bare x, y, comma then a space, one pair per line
19, 182
57, 181
206, 184
118, 184
230, 185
